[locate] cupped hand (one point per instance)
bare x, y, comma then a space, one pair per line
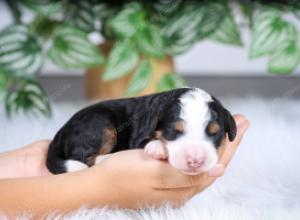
130, 179
134, 180
35, 156
28, 161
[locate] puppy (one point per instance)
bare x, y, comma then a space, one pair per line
186, 126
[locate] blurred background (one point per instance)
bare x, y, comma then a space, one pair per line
68, 52
230, 48
57, 56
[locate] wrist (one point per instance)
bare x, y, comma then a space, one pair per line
11, 164
96, 186
34, 162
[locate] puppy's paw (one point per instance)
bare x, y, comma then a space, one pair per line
156, 150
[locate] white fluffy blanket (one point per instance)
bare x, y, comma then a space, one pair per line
262, 181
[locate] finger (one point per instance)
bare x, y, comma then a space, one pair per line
227, 150
217, 171
230, 147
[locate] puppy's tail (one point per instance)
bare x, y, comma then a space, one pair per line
55, 161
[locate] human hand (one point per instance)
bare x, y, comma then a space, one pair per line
133, 180
35, 156
28, 161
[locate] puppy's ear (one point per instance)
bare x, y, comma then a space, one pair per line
230, 126
224, 117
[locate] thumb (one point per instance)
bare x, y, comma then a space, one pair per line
230, 147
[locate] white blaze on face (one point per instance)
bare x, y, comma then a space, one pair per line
193, 152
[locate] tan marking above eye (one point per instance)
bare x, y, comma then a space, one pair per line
179, 126
213, 128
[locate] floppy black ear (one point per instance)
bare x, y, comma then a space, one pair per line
230, 126
225, 117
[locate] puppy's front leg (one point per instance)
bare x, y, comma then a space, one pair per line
156, 150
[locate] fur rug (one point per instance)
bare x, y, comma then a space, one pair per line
261, 182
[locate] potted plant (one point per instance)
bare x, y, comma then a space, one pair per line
141, 38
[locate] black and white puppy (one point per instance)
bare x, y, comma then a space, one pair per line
185, 126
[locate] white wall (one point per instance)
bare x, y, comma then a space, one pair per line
205, 58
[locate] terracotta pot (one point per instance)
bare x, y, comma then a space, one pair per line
95, 88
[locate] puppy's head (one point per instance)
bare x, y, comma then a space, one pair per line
193, 130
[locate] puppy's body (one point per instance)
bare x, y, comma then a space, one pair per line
174, 119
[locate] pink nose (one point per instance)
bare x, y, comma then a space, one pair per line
195, 162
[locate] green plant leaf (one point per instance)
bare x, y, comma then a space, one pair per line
71, 48
20, 52
269, 32
179, 32
3, 83
43, 27
170, 81
150, 42
121, 61
295, 7
192, 23
167, 7
28, 97
297, 13
14, 8
140, 78
81, 15
103, 10
214, 14
44, 7
162, 10
128, 21
286, 59
228, 32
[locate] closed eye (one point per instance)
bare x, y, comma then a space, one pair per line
171, 133
179, 132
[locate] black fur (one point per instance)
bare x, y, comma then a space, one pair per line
135, 121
